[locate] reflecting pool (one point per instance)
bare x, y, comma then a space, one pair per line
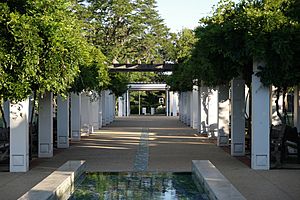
138, 185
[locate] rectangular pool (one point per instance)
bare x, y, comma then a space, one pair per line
139, 185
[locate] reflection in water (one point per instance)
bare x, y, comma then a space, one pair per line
139, 186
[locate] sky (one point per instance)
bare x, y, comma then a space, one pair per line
179, 14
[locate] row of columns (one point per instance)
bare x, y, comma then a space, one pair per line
208, 110
172, 104
89, 112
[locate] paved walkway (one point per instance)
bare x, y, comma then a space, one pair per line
155, 144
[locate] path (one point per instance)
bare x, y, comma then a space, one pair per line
153, 143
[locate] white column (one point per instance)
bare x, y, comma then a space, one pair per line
297, 107
19, 137
94, 117
128, 103
46, 125
167, 102
223, 115
195, 107
6, 106
237, 117
204, 109
120, 106
213, 112
180, 106
188, 105
85, 114
199, 110
62, 122
107, 107
184, 107
104, 109
260, 158
100, 111
191, 105
75, 116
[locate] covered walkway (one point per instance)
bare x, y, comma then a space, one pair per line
154, 143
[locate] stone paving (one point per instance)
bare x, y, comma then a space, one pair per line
154, 143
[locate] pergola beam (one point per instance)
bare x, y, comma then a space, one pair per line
166, 67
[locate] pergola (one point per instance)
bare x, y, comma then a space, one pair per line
165, 67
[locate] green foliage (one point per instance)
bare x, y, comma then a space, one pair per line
235, 34
41, 47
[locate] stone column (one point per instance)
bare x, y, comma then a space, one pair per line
195, 107
199, 110
260, 158
128, 103
204, 109
297, 108
104, 109
188, 105
85, 114
213, 112
120, 107
237, 117
175, 104
6, 106
62, 122
167, 102
46, 125
75, 116
19, 136
94, 116
100, 111
180, 106
191, 105
223, 115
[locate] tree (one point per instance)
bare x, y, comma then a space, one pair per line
41, 48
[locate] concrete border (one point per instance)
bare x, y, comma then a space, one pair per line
215, 184
59, 184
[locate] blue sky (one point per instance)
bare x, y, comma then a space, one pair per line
180, 14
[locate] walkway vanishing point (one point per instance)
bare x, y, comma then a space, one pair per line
155, 143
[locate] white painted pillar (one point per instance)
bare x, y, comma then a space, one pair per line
213, 112
75, 116
19, 137
6, 106
100, 111
120, 107
185, 107
104, 109
46, 126
237, 117
260, 158
62, 122
297, 108
195, 107
183, 94
124, 105
107, 107
175, 104
128, 103
199, 110
167, 102
85, 114
204, 109
191, 105
94, 107
188, 105
223, 115
180, 106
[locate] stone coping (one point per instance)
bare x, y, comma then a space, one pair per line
215, 184
59, 184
